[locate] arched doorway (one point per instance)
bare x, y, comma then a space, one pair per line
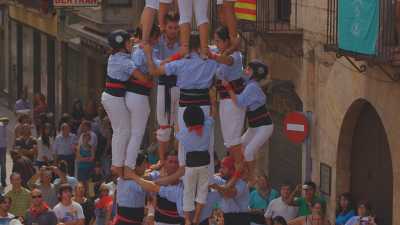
364, 161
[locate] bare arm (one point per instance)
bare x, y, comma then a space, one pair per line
153, 69
222, 59
138, 75
173, 178
227, 192
148, 186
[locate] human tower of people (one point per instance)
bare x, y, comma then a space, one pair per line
186, 70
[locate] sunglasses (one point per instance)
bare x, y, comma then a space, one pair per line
36, 196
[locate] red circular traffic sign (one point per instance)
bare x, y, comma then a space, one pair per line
296, 127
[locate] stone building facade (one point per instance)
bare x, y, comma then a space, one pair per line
354, 125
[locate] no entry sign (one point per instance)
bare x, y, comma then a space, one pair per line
296, 127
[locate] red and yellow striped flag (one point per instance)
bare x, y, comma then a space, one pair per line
246, 10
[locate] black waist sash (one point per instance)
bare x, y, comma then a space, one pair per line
139, 87
259, 117
237, 85
200, 97
197, 158
166, 212
115, 87
169, 82
133, 214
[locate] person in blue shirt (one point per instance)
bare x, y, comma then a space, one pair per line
231, 69
195, 139
119, 70
260, 199
130, 196
194, 78
235, 199
260, 123
137, 102
345, 209
167, 91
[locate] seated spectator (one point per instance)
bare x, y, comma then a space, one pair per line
364, 215
39, 212
87, 204
45, 153
26, 144
260, 199
23, 166
345, 209
280, 208
317, 216
5, 216
48, 190
85, 158
68, 211
20, 197
63, 178
308, 198
103, 206
65, 146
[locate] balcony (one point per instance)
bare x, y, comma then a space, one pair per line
383, 48
44, 6
274, 17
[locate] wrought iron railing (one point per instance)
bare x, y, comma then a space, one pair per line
274, 16
44, 6
388, 40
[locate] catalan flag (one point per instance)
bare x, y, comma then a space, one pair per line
246, 10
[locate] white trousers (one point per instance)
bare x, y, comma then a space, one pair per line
181, 153
186, 11
164, 132
254, 138
155, 4
195, 183
139, 109
232, 121
119, 117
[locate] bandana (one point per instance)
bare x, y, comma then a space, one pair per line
198, 129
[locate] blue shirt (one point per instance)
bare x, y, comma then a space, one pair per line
259, 202
239, 203
173, 193
120, 66
164, 50
193, 72
192, 142
234, 71
252, 96
130, 194
342, 218
140, 61
213, 198
65, 145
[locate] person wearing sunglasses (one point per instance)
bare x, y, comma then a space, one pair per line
39, 212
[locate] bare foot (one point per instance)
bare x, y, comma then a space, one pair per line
117, 170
